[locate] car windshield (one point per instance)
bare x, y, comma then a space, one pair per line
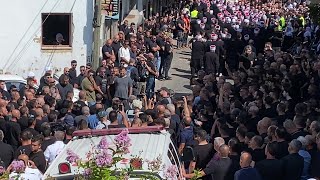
18, 85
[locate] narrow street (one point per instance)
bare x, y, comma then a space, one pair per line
179, 72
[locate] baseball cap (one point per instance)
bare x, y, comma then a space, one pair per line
31, 74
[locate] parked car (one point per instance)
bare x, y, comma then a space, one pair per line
19, 82
11, 79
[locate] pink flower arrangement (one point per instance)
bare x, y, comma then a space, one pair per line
101, 158
104, 159
123, 141
18, 166
154, 165
87, 172
72, 157
170, 172
2, 170
103, 144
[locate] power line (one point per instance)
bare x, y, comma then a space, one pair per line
25, 34
18, 57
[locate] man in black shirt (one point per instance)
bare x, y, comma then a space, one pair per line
151, 74
256, 149
124, 26
202, 153
180, 28
292, 129
219, 168
37, 155
315, 159
281, 143
168, 56
73, 72
212, 61
197, 52
101, 80
31, 125
293, 163
107, 50
80, 77
23, 120
116, 45
142, 72
77, 106
6, 151
25, 147
270, 168
161, 43
13, 130
3, 114
47, 139
153, 45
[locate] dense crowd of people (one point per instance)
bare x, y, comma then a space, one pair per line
253, 112
255, 69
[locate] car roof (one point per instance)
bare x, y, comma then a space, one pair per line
11, 77
148, 146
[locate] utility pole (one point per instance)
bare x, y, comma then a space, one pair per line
96, 34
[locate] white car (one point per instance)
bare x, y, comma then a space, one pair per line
11, 79
149, 143
19, 82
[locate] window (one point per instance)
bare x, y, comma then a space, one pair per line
56, 31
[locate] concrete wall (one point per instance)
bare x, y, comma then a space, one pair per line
20, 35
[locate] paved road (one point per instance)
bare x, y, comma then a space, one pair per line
179, 72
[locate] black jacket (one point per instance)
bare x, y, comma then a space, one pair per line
292, 166
211, 60
198, 50
6, 153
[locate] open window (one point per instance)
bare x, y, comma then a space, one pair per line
56, 30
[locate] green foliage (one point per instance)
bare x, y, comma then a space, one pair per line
197, 174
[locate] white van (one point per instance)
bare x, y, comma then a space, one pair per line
147, 143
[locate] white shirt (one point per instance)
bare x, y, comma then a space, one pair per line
124, 53
103, 125
53, 151
29, 174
